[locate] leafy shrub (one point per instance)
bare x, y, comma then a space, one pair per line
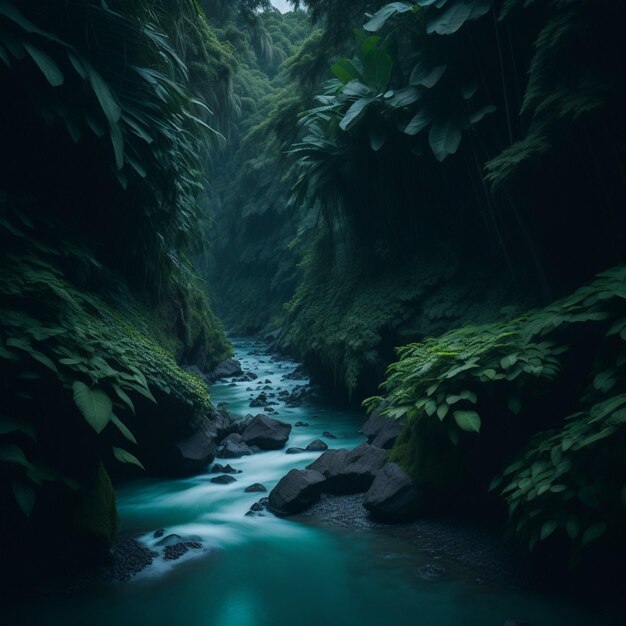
569, 478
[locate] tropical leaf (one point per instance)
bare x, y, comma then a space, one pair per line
444, 139
126, 457
94, 404
468, 420
380, 18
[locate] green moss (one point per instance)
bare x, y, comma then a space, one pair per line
425, 452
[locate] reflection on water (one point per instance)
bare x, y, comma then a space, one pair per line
264, 571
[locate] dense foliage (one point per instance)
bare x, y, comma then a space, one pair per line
102, 210
554, 370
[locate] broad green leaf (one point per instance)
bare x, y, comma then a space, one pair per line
356, 88
126, 457
377, 66
94, 404
468, 421
442, 410
430, 408
404, 97
354, 113
595, 531
345, 71
426, 76
451, 20
480, 114
418, 123
378, 136
548, 528
25, 496
444, 139
380, 18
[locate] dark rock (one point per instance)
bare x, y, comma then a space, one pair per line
299, 394
256, 488
260, 401
295, 492
224, 423
328, 435
170, 540
258, 508
224, 479
297, 374
267, 388
266, 432
192, 454
350, 471
267, 381
226, 369
233, 447
393, 496
224, 469
302, 424
317, 446
295, 450
172, 553
381, 430
159, 533
129, 557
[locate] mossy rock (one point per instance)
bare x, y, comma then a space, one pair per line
95, 519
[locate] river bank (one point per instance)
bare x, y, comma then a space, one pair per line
329, 564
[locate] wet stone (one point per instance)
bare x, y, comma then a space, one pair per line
224, 479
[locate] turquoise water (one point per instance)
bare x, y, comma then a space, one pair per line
262, 571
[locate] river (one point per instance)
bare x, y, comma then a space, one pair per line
265, 571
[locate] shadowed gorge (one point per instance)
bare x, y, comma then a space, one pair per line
313, 303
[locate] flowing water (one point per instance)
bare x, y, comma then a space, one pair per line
265, 571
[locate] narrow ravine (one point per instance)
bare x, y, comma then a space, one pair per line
262, 570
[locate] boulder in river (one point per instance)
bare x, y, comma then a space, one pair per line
256, 488
294, 450
193, 453
224, 469
350, 471
393, 496
266, 432
317, 446
233, 447
223, 423
295, 492
258, 508
226, 369
224, 479
382, 430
